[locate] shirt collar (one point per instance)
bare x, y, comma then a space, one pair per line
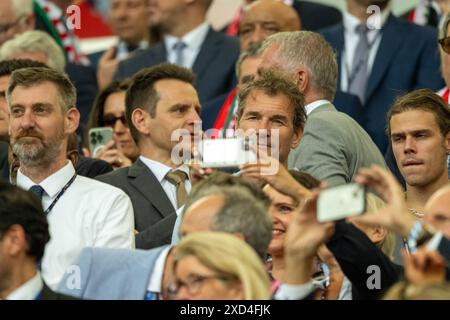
193, 39
29, 290
158, 272
160, 170
53, 183
351, 22
310, 107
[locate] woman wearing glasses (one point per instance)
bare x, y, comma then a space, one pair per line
218, 266
109, 111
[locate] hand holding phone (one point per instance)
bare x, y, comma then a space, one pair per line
226, 153
98, 138
341, 202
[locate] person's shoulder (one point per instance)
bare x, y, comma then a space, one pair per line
101, 189
412, 29
115, 175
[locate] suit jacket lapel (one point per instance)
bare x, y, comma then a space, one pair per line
207, 52
143, 179
390, 41
159, 53
338, 44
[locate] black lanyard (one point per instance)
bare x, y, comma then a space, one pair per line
47, 211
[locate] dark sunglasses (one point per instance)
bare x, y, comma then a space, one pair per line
110, 120
445, 44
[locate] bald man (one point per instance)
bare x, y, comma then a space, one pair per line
262, 18
438, 211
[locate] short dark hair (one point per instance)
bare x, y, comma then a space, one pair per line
20, 207
9, 66
422, 99
98, 107
28, 77
273, 83
142, 93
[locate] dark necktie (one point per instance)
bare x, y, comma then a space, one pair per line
358, 78
37, 190
178, 178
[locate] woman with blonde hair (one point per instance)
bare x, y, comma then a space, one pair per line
218, 266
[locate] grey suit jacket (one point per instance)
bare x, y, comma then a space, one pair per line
110, 274
154, 214
334, 147
213, 67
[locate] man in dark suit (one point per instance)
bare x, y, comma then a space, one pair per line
380, 58
160, 101
23, 236
316, 16
189, 42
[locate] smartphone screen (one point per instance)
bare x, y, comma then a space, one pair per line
231, 152
341, 202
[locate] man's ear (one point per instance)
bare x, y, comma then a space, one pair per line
30, 22
447, 142
297, 137
72, 120
140, 120
15, 241
302, 79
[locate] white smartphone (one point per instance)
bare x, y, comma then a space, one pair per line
226, 153
341, 202
99, 137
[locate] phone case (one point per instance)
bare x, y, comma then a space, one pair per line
98, 137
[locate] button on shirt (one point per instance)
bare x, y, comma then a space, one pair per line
351, 41
89, 213
193, 41
30, 290
160, 170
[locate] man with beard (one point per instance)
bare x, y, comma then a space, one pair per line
380, 56
419, 130
81, 212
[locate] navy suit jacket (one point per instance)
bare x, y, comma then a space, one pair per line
407, 59
213, 67
315, 16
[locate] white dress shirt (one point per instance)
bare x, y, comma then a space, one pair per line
351, 41
158, 272
30, 290
160, 170
89, 214
193, 40
310, 107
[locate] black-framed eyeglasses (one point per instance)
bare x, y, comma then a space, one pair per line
109, 120
193, 284
445, 44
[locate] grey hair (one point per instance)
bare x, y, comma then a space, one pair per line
252, 51
241, 213
310, 50
22, 8
35, 41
